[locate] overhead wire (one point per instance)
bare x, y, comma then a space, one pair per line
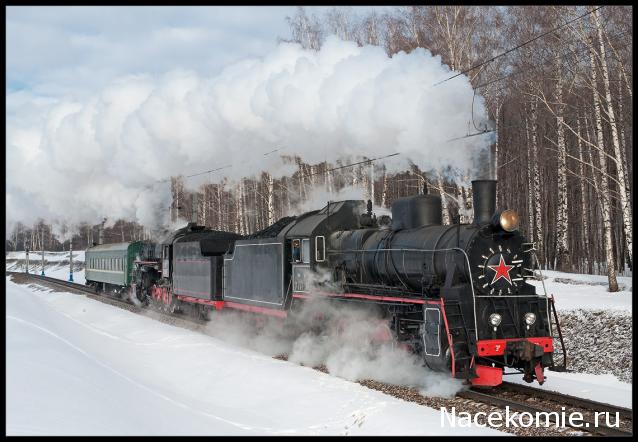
354, 164
539, 65
465, 71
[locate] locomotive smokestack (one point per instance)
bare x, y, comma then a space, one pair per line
484, 196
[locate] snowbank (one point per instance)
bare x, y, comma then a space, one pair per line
76, 366
574, 291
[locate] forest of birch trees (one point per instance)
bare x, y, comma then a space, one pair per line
562, 109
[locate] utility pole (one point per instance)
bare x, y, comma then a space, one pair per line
71, 259
42, 242
100, 233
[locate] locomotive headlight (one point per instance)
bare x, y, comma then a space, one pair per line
509, 220
495, 319
530, 318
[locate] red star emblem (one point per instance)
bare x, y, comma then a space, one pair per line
502, 271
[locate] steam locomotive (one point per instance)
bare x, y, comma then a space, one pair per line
456, 294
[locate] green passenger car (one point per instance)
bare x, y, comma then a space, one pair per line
111, 264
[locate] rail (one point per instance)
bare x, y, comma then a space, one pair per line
588, 423
567, 399
59, 282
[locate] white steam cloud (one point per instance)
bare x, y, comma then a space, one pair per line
318, 198
83, 161
345, 339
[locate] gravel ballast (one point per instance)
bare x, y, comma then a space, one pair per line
598, 342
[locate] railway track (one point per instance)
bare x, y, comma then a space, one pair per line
554, 405
58, 282
568, 400
124, 303
519, 398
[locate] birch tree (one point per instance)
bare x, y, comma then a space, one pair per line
444, 206
620, 166
270, 186
562, 248
604, 189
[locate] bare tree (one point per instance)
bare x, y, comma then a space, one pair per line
305, 30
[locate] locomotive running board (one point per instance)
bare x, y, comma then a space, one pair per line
319, 295
220, 305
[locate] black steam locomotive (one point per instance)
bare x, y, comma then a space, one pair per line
457, 294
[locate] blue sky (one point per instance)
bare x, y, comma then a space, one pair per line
71, 51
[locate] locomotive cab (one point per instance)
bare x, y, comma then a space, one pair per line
310, 267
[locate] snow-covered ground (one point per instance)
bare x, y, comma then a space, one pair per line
573, 291
76, 366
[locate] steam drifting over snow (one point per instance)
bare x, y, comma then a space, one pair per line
82, 161
346, 339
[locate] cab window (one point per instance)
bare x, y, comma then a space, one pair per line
296, 250
320, 248
305, 250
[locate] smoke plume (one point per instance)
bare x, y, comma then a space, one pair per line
102, 157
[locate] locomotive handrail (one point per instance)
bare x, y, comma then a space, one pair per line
549, 319
457, 249
540, 272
